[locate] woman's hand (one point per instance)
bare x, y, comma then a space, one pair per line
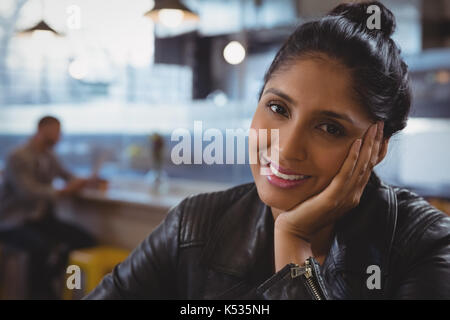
340, 196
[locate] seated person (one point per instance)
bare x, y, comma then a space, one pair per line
27, 217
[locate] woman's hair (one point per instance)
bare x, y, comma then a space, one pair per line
380, 76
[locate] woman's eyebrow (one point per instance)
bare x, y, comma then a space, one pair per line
327, 113
333, 114
280, 94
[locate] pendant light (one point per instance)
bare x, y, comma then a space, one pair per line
40, 27
171, 13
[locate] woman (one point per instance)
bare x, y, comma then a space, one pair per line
320, 225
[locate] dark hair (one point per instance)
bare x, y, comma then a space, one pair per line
47, 120
380, 76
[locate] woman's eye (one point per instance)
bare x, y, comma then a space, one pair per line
332, 129
278, 109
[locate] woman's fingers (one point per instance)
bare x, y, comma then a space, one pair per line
373, 157
355, 171
364, 155
376, 146
340, 181
367, 161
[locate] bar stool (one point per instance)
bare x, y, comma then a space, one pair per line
95, 263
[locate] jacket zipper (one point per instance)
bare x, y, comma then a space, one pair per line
307, 272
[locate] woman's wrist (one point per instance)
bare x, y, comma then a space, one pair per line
284, 226
289, 248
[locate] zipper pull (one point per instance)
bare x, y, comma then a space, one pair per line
308, 269
297, 271
311, 281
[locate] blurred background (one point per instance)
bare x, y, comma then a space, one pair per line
119, 73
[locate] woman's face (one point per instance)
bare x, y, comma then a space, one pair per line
312, 104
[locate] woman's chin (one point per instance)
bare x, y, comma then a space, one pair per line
283, 198
278, 199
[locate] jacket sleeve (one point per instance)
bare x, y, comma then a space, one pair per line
148, 272
428, 274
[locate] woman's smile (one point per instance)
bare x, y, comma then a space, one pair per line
282, 177
285, 183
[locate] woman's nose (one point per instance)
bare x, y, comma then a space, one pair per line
291, 145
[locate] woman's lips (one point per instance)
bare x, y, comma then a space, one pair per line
284, 171
283, 183
276, 168
283, 178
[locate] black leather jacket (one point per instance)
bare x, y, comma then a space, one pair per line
220, 246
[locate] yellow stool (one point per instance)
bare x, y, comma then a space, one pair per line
94, 263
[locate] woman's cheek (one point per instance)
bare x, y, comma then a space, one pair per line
262, 129
259, 122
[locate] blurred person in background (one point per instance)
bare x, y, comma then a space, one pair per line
27, 216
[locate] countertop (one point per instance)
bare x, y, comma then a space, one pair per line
138, 193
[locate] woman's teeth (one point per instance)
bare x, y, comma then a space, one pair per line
286, 176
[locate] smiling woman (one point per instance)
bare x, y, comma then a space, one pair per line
320, 224
316, 130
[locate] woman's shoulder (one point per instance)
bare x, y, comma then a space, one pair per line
198, 214
419, 225
413, 208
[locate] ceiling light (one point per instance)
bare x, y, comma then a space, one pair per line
171, 13
234, 52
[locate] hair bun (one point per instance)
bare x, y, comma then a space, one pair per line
357, 13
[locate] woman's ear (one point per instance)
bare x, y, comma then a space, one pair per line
383, 150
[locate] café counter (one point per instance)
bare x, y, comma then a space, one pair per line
128, 210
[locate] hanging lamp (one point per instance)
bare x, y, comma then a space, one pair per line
171, 13
41, 26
